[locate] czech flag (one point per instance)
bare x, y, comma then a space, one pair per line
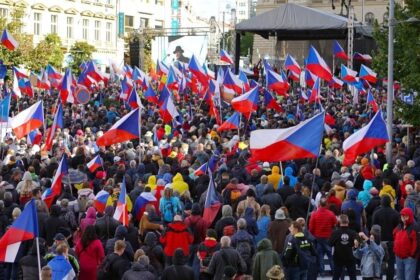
231, 81
15, 87
52, 73
20, 74
172, 81
371, 101
294, 76
267, 66
277, 83
317, 65
365, 139
28, 120
224, 56
8, 41
42, 81
168, 111
138, 76
55, 190
66, 91
95, 163
309, 78
270, 102
231, 123
367, 74
161, 68
126, 87
57, 123
212, 204
197, 70
339, 51
336, 83
125, 129
34, 138
348, 75
246, 103
210, 166
93, 71
101, 200
26, 87
4, 109
121, 211
291, 65
128, 71
25, 227
150, 95
362, 57
296, 142
140, 205
244, 79
315, 92
134, 100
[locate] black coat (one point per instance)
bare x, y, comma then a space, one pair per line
285, 192
297, 205
105, 228
138, 271
274, 200
54, 224
220, 224
373, 204
388, 219
118, 267
342, 239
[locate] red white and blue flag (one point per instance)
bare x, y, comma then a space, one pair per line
167, 110
101, 200
224, 56
212, 204
317, 65
142, 201
336, 83
57, 123
339, 51
66, 89
365, 139
362, 57
198, 71
121, 211
242, 76
291, 64
277, 83
231, 123
371, 101
28, 120
95, 163
126, 87
296, 142
231, 81
315, 92
150, 95
34, 137
8, 41
55, 190
310, 78
348, 75
134, 100
24, 228
125, 129
367, 74
246, 103
270, 102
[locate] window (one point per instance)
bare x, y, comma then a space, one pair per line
158, 24
108, 31
129, 23
242, 4
242, 12
144, 22
37, 23
3, 12
70, 21
369, 18
85, 30
97, 30
54, 24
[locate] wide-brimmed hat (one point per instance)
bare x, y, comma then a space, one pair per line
178, 49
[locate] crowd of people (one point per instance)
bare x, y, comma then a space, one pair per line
299, 219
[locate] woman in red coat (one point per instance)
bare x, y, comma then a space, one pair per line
90, 253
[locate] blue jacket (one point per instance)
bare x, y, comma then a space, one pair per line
262, 224
289, 173
371, 256
61, 268
364, 196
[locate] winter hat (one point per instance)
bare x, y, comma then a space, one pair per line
374, 191
280, 215
161, 182
349, 184
352, 194
196, 209
376, 232
367, 184
27, 176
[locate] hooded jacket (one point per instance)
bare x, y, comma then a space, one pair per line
154, 251
54, 224
271, 198
89, 220
139, 270
352, 203
226, 220
251, 223
387, 218
178, 184
198, 227
274, 177
105, 226
178, 270
29, 263
265, 259
176, 236
364, 196
151, 182
120, 234
405, 237
289, 173
389, 191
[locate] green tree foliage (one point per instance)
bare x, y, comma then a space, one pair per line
247, 42
80, 51
48, 51
406, 57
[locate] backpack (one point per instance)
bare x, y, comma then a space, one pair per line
304, 253
244, 249
384, 265
168, 211
229, 230
104, 272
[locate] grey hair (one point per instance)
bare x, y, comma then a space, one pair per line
241, 223
225, 241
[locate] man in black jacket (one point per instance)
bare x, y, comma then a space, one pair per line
388, 219
286, 190
178, 270
105, 226
342, 239
297, 204
115, 263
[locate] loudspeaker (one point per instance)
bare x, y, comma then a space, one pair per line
134, 47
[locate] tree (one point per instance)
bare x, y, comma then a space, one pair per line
406, 57
247, 42
56, 56
80, 51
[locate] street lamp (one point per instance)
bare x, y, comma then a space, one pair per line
390, 92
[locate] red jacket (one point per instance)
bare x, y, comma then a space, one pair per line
322, 223
405, 239
89, 258
198, 227
176, 236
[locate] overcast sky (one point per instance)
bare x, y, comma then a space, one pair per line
207, 8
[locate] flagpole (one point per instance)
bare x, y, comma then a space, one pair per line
38, 256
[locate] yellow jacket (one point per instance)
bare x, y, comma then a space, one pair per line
388, 190
274, 177
151, 182
178, 184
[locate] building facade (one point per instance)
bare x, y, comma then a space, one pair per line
366, 11
93, 21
